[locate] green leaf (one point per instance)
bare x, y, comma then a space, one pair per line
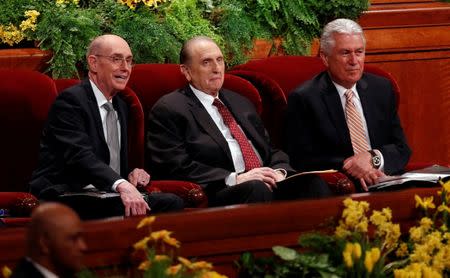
285, 253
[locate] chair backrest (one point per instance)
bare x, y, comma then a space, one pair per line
276, 77
25, 98
135, 122
152, 81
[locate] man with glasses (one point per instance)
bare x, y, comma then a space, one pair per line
84, 142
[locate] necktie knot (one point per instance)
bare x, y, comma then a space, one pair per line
108, 106
349, 95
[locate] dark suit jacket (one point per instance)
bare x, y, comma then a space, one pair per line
25, 269
184, 142
317, 136
73, 150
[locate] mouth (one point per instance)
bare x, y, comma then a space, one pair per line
121, 77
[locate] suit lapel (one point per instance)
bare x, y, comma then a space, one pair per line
205, 121
333, 103
248, 127
120, 105
364, 96
93, 106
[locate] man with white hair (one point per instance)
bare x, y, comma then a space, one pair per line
344, 118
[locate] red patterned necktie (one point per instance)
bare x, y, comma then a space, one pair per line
355, 126
250, 158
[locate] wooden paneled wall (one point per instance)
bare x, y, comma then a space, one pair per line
411, 40
221, 235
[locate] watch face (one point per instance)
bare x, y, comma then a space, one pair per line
376, 161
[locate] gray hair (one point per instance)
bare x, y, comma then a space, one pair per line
340, 26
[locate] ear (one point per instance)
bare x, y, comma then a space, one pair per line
92, 62
185, 71
324, 58
43, 245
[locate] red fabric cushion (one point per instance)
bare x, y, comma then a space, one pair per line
288, 71
25, 98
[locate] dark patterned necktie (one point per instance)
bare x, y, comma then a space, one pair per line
112, 137
250, 158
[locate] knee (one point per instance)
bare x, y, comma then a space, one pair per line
257, 191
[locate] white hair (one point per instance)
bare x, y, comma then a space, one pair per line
340, 26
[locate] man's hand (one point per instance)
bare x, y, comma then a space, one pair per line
265, 174
360, 167
132, 199
138, 177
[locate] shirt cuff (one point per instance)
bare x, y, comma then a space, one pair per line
231, 179
114, 186
381, 160
281, 171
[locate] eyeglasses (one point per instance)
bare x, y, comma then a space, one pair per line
118, 60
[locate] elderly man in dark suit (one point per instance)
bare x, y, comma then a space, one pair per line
344, 118
84, 142
55, 243
214, 137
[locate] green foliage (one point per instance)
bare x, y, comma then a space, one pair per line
155, 34
12, 10
67, 31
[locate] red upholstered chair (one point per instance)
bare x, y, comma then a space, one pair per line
136, 148
25, 98
151, 81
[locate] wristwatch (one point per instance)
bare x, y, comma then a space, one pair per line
376, 159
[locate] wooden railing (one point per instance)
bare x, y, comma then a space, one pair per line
221, 235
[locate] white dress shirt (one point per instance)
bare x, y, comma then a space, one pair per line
101, 100
235, 149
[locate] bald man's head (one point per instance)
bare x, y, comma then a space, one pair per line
55, 238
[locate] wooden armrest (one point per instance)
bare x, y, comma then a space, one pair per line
339, 183
192, 193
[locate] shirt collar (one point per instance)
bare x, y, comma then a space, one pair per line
99, 96
341, 90
42, 269
205, 99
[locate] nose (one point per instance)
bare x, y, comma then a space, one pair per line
352, 58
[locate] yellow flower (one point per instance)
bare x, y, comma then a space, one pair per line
201, 265
443, 207
173, 270
6, 272
141, 244
145, 265
185, 261
172, 241
426, 203
159, 235
402, 250
445, 186
159, 258
147, 221
351, 251
212, 274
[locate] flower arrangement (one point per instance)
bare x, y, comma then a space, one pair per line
158, 250
367, 246
156, 29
